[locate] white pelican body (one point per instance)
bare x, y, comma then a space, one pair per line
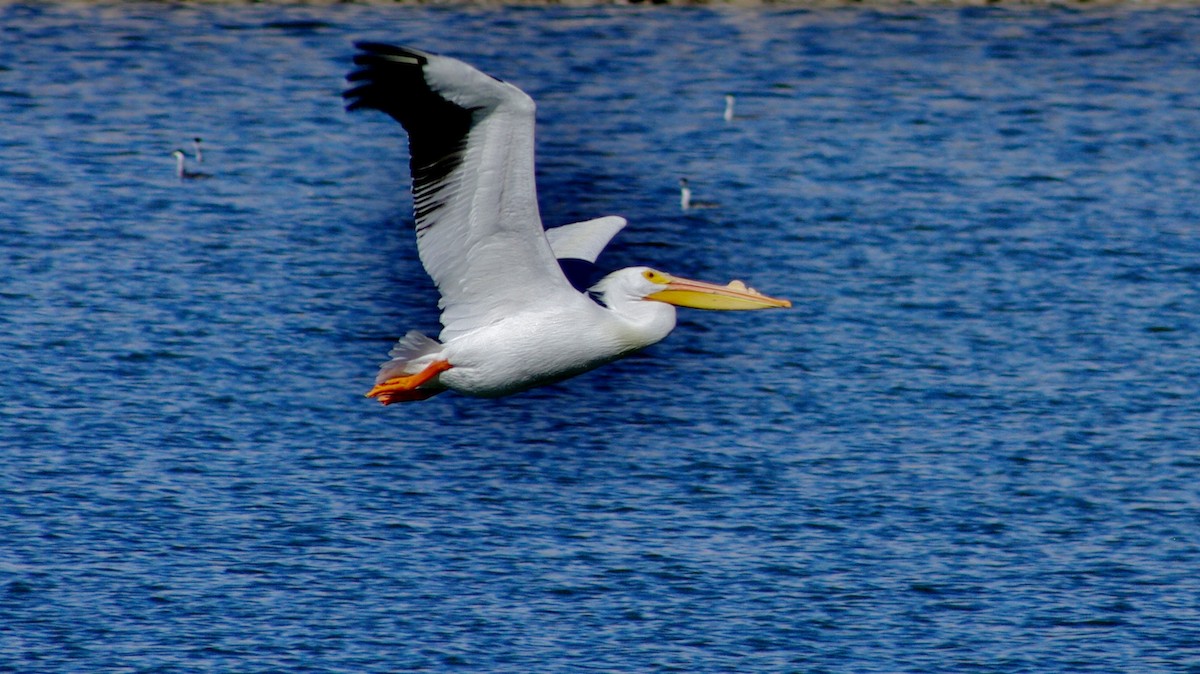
525, 361
511, 318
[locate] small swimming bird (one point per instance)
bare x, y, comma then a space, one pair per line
182, 172
511, 318
728, 107
686, 202
196, 150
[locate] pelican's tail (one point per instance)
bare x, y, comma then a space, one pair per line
412, 354
412, 372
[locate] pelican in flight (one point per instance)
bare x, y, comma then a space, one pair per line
511, 318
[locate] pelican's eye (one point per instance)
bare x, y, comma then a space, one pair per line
654, 276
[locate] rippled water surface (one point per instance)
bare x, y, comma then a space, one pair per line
971, 446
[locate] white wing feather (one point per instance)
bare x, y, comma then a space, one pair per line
479, 233
486, 248
584, 240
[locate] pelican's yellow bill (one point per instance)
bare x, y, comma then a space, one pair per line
700, 295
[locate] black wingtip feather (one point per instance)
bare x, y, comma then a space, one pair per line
391, 79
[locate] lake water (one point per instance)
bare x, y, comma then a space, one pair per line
972, 446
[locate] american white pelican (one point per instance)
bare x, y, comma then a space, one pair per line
196, 150
728, 107
511, 318
686, 202
182, 172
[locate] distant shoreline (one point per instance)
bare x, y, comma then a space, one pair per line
1080, 4
799, 4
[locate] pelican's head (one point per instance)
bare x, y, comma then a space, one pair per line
644, 283
178, 154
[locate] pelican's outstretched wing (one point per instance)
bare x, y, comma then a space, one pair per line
471, 144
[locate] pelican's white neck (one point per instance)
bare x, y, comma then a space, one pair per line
640, 322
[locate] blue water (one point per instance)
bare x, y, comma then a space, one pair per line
973, 444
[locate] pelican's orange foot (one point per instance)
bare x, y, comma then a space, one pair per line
404, 389
406, 396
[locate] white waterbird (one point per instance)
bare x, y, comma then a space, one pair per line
182, 172
687, 203
511, 318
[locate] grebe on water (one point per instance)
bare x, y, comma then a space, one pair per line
181, 172
685, 198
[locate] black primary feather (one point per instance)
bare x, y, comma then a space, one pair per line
391, 79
